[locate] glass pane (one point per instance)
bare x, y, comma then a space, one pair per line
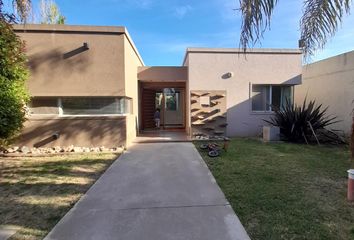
260, 98
171, 101
44, 106
276, 97
127, 106
94, 106
158, 100
286, 96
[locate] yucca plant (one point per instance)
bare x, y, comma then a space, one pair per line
295, 122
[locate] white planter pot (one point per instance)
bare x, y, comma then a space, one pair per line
271, 133
350, 185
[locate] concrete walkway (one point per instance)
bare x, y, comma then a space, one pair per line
155, 191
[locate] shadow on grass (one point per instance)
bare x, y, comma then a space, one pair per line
62, 168
35, 193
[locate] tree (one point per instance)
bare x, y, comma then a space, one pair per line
319, 22
13, 74
50, 13
61, 20
21, 7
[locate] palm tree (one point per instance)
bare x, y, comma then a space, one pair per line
319, 22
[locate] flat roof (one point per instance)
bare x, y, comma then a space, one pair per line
68, 28
62, 28
240, 50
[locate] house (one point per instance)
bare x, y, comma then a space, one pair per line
83, 85
90, 87
251, 84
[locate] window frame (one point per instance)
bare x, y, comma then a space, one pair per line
271, 111
61, 113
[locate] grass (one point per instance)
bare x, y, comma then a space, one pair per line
36, 192
286, 191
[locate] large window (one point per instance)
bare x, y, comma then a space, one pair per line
81, 106
94, 106
44, 106
267, 97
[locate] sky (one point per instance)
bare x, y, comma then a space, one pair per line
163, 29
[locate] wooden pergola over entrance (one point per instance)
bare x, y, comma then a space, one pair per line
162, 88
158, 96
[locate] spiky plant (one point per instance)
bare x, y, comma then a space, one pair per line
295, 121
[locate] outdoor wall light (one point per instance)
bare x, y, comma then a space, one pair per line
86, 45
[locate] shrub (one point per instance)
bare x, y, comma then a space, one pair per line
295, 122
13, 74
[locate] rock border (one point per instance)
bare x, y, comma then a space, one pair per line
50, 151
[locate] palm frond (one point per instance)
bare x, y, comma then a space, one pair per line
256, 16
320, 22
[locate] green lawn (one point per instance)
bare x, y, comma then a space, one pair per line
36, 192
286, 191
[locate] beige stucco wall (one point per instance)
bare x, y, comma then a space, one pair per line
331, 83
207, 69
163, 74
61, 67
77, 131
131, 63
